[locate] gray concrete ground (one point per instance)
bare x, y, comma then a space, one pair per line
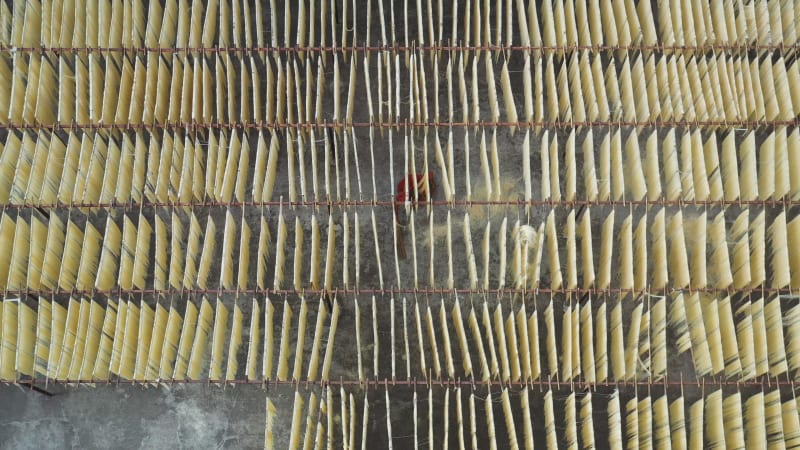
133, 417
201, 416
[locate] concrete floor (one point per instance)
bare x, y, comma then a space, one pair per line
133, 417
201, 416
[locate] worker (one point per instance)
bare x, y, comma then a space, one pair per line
425, 186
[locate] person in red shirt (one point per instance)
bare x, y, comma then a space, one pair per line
425, 185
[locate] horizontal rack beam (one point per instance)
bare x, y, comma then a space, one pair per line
745, 124
387, 383
423, 48
422, 203
399, 291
